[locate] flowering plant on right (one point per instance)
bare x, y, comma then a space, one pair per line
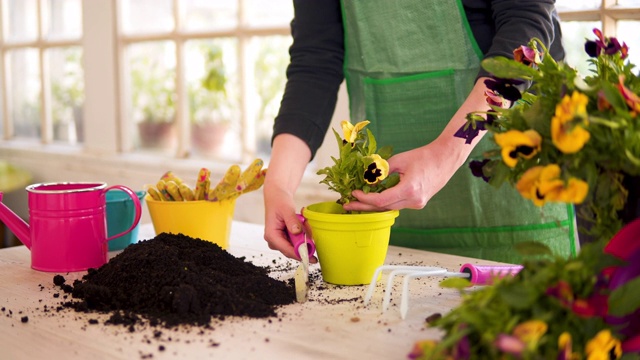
568, 138
573, 140
587, 307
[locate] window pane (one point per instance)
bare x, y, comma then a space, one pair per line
20, 20
147, 16
24, 81
574, 5
67, 93
269, 56
202, 15
278, 13
628, 33
629, 2
574, 34
213, 94
152, 80
62, 19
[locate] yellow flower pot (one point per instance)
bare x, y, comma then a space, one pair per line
206, 220
350, 247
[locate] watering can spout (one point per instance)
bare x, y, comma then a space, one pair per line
18, 226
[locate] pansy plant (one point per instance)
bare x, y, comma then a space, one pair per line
567, 138
571, 140
360, 166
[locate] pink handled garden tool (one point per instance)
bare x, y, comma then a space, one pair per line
304, 248
477, 275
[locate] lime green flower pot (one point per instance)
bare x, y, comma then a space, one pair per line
350, 247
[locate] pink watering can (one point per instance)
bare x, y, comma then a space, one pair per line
68, 225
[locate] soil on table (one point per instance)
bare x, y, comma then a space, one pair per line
173, 280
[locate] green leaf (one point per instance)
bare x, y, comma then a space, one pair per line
532, 248
518, 296
613, 96
385, 152
625, 299
455, 283
506, 68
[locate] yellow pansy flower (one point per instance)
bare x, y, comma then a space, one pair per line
518, 144
530, 331
568, 125
565, 347
575, 192
351, 131
603, 346
375, 169
541, 184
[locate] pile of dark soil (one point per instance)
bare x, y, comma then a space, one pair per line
175, 280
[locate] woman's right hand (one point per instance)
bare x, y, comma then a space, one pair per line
289, 157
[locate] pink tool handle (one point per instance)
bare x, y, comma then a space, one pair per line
484, 274
298, 240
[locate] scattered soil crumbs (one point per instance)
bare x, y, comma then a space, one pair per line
173, 280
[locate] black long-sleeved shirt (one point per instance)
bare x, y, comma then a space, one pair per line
317, 53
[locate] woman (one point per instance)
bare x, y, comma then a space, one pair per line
413, 69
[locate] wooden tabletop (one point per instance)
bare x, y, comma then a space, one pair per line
333, 324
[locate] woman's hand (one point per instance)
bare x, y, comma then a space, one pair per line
289, 158
423, 172
426, 170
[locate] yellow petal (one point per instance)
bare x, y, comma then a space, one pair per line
347, 130
513, 142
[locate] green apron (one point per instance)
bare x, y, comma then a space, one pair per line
409, 65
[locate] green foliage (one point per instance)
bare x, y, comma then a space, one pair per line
613, 148
492, 311
347, 172
208, 99
153, 89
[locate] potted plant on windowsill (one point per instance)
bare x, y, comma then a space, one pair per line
209, 106
154, 103
68, 96
352, 245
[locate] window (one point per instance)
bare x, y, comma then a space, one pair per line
42, 74
78, 78
203, 78
619, 18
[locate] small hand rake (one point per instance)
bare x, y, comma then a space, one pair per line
477, 274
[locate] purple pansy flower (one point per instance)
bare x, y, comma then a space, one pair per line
505, 88
609, 46
476, 168
469, 131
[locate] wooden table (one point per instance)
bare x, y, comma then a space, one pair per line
333, 324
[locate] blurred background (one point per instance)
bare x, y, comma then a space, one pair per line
121, 91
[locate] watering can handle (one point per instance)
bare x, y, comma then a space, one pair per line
136, 204
299, 239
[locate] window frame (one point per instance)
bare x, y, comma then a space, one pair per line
103, 156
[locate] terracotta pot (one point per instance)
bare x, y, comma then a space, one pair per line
208, 137
157, 135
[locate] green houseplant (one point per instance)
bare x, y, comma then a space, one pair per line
209, 107
68, 95
153, 97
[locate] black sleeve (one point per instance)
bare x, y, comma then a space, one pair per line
315, 72
500, 26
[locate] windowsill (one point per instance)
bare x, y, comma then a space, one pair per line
59, 162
